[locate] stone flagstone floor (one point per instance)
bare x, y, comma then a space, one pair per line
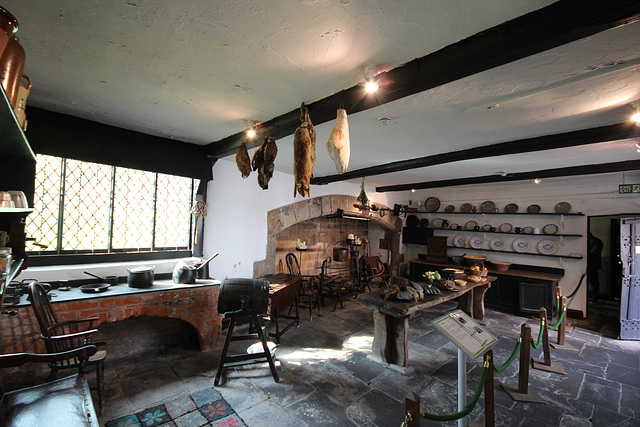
326, 379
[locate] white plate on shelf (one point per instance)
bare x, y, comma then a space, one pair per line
505, 228
437, 223
550, 229
521, 245
527, 230
470, 225
459, 241
476, 242
547, 247
453, 226
486, 227
497, 244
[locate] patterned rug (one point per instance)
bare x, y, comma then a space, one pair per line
204, 408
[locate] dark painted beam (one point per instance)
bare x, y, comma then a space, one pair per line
520, 176
61, 135
557, 24
541, 143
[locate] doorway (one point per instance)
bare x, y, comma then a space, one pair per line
603, 302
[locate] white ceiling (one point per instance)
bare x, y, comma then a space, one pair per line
199, 71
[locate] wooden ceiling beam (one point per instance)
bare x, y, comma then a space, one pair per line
520, 176
596, 135
557, 24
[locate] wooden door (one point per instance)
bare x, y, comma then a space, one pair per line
630, 298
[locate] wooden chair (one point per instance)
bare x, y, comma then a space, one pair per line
64, 402
334, 282
310, 285
372, 268
64, 336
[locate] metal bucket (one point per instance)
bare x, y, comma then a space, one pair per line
340, 254
248, 295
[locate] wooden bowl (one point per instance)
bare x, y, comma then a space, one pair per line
501, 266
472, 260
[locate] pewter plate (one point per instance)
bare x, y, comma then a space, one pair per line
488, 207
432, 204
511, 208
563, 208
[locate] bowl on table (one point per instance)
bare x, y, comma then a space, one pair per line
501, 266
472, 260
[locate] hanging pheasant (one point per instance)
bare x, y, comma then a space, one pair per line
242, 160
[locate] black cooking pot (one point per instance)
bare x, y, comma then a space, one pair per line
140, 277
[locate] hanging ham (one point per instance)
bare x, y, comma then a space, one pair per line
338, 146
242, 160
304, 153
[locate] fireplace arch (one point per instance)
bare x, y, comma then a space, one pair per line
287, 216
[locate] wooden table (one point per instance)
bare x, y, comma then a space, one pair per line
391, 319
283, 293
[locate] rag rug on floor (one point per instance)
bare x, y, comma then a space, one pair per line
204, 408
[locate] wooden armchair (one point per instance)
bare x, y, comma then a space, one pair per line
64, 402
62, 337
310, 285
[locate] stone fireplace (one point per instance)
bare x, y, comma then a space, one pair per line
307, 220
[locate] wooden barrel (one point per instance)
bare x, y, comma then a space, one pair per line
249, 295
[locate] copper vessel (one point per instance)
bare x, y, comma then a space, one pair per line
13, 56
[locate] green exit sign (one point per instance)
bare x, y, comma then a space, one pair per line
628, 188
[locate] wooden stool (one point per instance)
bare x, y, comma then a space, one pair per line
245, 359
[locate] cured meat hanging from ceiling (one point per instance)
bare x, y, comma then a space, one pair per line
304, 153
338, 146
242, 160
263, 161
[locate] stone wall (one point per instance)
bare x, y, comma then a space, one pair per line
288, 216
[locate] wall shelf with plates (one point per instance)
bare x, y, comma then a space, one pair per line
518, 253
510, 233
498, 213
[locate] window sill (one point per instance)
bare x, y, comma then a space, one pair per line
74, 272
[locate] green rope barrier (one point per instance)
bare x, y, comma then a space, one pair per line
557, 325
578, 287
467, 409
511, 358
537, 345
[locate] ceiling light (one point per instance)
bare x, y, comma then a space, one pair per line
370, 77
636, 116
537, 180
251, 132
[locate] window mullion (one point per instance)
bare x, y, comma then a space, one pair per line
112, 204
63, 181
153, 220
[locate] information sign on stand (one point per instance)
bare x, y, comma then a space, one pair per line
465, 333
471, 339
